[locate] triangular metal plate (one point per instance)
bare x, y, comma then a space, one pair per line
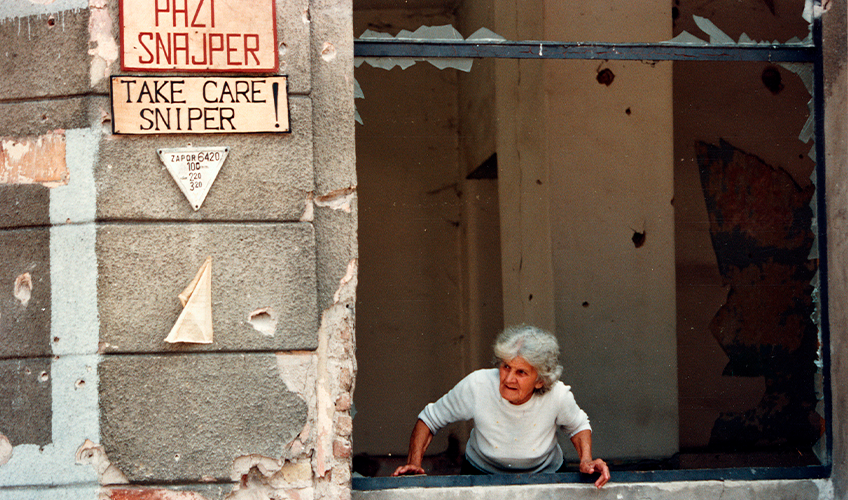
194, 169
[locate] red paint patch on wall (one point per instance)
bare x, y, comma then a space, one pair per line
152, 494
34, 160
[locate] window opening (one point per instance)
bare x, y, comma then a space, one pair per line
802, 58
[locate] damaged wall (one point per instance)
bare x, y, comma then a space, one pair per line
98, 241
608, 159
760, 110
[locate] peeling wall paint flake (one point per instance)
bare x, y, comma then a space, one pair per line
265, 465
149, 494
335, 377
94, 454
309, 208
290, 482
340, 199
34, 160
103, 48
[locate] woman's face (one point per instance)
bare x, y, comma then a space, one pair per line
518, 380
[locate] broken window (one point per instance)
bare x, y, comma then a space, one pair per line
654, 204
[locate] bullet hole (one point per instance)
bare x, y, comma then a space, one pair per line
283, 49
627, 111
585, 304
328, 52
306, 17
23, 288
539, 182
638, 239
51, 21
772, 79
176, 457
530, 297
44, 377
27, 371
44, 118
263, 321
80, 384
605, 77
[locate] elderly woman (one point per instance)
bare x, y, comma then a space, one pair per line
517, 408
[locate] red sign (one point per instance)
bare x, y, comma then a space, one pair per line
199, 35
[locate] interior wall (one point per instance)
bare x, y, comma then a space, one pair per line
410, 345
609, 156
481, 212
582, 217
730, 102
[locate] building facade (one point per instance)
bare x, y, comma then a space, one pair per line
100, 241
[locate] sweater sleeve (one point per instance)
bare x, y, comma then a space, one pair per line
571, 418
456, 405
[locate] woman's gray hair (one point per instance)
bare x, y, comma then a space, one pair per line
536, 346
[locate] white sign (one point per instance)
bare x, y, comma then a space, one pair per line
199, 35
194, 169
199, 105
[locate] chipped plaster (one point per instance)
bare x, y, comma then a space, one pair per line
340, 199
34, 160
103, 48
94, 455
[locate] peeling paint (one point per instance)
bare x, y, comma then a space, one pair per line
34, 160
292, 366
339, 199
151, 494
297, 370
23, 288
309, 208
265, 465
335, 371
5, 450
94, 454
292, 481
103, 48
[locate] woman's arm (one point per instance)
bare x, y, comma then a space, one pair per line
418, 443
582, 442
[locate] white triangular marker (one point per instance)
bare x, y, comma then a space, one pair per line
195, 322
194, 169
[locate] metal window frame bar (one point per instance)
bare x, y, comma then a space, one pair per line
657, 476
473, 49
804, 53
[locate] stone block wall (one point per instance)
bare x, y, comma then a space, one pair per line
97, 242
